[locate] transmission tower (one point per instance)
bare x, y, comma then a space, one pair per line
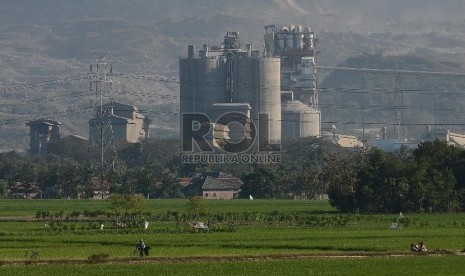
100, 127
399, 124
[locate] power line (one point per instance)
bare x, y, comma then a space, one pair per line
70, 79
393, 71
76, 78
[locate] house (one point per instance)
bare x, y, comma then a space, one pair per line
221, 188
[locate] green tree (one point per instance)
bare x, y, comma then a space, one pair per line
47, 180
3, 187
383, 185
340, 174
263, 182
127, 209
170, 186
441, 162
196, 206
306, 181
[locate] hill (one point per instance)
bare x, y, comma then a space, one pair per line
51, 40
370, 99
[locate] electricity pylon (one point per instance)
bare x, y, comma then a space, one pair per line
101, 136
399, 124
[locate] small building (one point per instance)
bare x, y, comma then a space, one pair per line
42, 132
221, 188
456, 139
347, 141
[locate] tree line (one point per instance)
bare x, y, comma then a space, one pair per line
430, 178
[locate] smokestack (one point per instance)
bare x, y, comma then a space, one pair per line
190, 51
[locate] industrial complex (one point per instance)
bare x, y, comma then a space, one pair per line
276, 89
241, 94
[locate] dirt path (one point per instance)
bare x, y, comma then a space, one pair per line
224, 258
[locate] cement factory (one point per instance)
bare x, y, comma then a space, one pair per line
276, 89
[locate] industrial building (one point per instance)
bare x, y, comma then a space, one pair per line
227, 78
124, 122
296, 46
42, 132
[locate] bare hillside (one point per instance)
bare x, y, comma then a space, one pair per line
49, 40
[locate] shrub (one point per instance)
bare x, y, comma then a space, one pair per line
75, 214
42, 214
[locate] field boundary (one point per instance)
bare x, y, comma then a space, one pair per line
223, 258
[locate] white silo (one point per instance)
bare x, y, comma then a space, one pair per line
299, 120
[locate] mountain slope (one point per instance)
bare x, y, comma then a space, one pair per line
54, 39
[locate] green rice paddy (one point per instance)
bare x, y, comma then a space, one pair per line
365, 244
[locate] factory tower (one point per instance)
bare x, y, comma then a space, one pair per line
296, 46
228, 78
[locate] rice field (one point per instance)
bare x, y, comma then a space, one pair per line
363, 244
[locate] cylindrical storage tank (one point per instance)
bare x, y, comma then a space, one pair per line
245, 88
290, 41
187, 83
281, 42
269, 98
299, 120
202, 83
300, 41
257, 82
210, 83
187, 87
309, 39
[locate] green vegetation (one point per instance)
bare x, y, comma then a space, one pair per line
429, 179
426, 180
438, 265
29, 208
267, 237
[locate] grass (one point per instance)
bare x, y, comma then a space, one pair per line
367, 235
246, 240
406, 265
28, 208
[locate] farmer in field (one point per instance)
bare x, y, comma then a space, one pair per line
142, 248
423, 247
141, 245
414, 247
